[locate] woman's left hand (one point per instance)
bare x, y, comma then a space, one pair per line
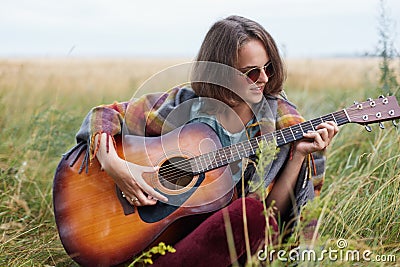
317, 140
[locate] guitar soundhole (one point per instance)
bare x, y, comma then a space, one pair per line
175, 173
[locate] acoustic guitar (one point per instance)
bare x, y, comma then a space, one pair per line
98, 227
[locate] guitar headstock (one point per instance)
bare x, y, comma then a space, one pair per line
381, 109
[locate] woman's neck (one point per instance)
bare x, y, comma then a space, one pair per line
236, 118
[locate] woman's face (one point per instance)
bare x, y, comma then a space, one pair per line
251, 55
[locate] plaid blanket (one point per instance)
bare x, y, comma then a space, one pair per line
146, 116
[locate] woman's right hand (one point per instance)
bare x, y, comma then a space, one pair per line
127, 175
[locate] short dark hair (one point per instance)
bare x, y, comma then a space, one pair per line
222, 44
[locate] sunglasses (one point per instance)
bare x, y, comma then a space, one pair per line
254, 73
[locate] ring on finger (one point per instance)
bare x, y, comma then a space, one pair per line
134, 199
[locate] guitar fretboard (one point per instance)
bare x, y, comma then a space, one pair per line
234, 152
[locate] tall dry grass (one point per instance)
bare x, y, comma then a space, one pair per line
43, 102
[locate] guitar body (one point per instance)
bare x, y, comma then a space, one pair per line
96, 226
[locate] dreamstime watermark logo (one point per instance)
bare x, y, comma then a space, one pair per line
339, 253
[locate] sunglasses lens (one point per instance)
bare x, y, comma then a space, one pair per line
254, 74
269, 70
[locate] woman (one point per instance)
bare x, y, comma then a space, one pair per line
246, 46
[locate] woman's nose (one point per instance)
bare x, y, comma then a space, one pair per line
263, 76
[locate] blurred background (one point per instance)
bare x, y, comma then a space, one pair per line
175, 28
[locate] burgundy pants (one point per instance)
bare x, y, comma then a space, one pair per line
207, 245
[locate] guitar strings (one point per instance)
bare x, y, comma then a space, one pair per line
184, 163
179, 164
175, 171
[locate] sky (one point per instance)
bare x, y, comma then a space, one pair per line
130, 28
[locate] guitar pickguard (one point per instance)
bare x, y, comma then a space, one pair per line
161, 210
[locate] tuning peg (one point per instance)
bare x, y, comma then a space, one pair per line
394, 123
381, 125
355, 102
368, 128
369, 99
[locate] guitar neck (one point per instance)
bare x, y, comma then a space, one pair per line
235, 152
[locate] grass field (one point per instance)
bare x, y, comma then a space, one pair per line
43, 102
